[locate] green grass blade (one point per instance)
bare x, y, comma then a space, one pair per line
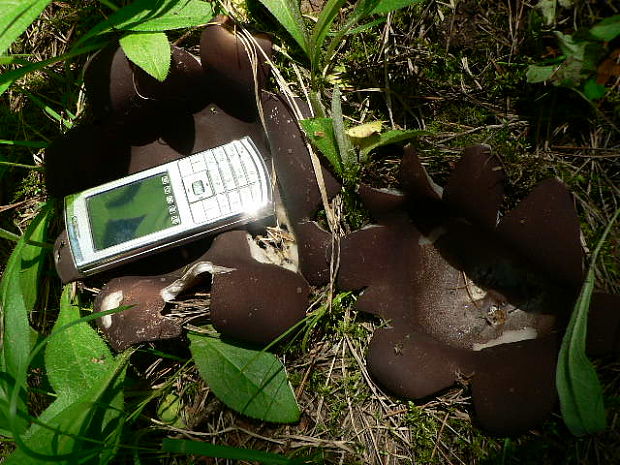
25, 143
321, 29
15, 17
288, 14
580, 392
8, 78
4, 234
150, 51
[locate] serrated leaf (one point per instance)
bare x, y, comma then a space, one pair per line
148, 50
320, 131
15, 17
154, 16
580, 392
78, 358
288, 14
606, 30
249, 381
386, 6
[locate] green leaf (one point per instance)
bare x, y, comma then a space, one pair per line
348, 156
537, 73
607, 30
581, 60
249, 381
85, 428
321, 30
19, 290
150, 51
186, 446
390, 137
593, 90
288, 14
385, 6
580, 392
77, 359
154, 16
15, 17
320, 131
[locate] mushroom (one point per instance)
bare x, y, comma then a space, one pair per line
467, 295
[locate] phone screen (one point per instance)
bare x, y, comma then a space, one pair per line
131, 211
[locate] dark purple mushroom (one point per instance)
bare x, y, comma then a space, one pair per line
467, 294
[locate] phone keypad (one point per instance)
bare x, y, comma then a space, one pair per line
221, 182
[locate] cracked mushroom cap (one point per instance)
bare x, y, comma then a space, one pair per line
467, 294
245, 304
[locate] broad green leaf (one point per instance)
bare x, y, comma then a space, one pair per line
154, 16
15, 17
78, 357
320, 131
187, 446
580, 392
390, 137
581, 59
249, 381
150, 51
593, 90
288, 14
607, 30
88, 427
385, 6
537, 73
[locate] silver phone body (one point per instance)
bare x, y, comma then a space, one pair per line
168, 205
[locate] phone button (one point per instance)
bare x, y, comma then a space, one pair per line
197, 187
198, 213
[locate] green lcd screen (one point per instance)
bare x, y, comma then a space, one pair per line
131, 211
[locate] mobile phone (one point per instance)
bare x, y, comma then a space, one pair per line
167, 205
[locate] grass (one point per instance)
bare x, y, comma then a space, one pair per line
455, 69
